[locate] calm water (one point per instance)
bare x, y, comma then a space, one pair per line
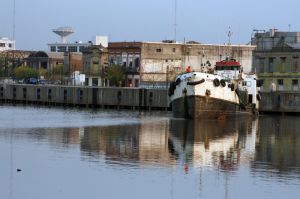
107, 154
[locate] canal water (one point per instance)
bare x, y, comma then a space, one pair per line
78, 153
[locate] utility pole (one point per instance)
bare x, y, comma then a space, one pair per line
175, 21
14, 29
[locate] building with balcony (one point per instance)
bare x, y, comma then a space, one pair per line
276, 61
155, 64
95, 61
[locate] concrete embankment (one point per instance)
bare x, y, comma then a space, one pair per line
127, 98
280, 102
102, 97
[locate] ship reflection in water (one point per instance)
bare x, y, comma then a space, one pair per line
154, 157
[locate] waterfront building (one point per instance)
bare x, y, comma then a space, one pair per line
95, 61
127, 55
7, 44
276, 61
155, 64
43, 60
78, 46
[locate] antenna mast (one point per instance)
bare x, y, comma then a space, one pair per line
14, 29
175, 21
229, 36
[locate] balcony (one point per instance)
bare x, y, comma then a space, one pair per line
131, 70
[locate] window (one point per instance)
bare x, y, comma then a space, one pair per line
10, 45
280, 84
137, 62
280, 81
136, 82
271, 65
158, 50
261, 65
130, 82
295, 64
282, 64
81, 48
53, 48
72, 48
294, 85
174, 50
61, 49
2, 44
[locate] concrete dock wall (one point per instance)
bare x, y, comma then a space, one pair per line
281, 102
131, 98
85, 96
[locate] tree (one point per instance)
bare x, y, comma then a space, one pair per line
25, 72
115, 75
58, 69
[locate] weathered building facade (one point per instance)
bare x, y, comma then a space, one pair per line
276, 61
155, 64
128, 56
42, 60
95, 61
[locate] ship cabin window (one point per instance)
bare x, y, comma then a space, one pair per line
227, 67
246, 83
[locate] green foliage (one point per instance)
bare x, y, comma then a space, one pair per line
24, 72
44, 73
58, 70
115, 75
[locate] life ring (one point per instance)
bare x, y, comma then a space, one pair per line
258, 97
216, 82
223, 83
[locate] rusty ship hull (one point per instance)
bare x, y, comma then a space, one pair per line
203, 107
209, 96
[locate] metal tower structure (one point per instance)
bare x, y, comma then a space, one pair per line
63, 32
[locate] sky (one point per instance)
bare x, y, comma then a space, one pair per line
141, 20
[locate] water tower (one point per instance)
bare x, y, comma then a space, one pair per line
63, 32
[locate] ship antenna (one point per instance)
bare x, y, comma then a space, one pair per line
229, 42
229, 36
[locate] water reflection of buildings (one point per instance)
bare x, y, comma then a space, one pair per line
146, 143
278, 147
220, 144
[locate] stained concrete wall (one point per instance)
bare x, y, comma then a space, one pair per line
85, 96
288, 102
162, 62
